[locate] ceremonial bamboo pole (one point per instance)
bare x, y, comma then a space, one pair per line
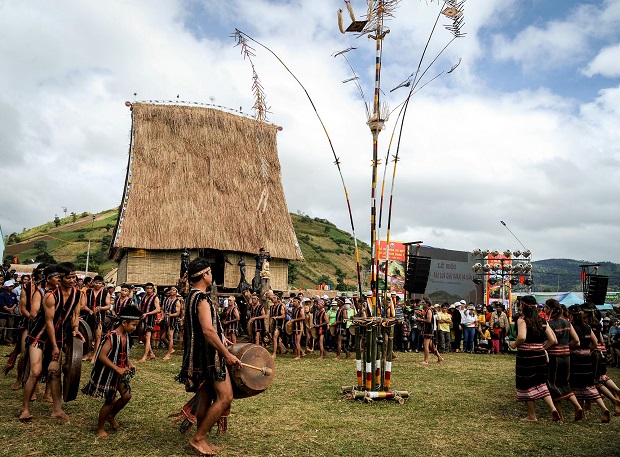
388, 359
375, 124
378, 357
368, 358
358, 357
373, 357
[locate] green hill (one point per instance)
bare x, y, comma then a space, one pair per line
563, 275
328, 251
66, 240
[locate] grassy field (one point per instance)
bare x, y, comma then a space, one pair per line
463, 407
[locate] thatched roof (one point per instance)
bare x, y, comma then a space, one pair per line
198, 178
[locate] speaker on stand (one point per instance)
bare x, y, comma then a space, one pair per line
416, 276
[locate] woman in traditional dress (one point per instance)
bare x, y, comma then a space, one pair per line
428, 333
558, 369
531, 363
603, 383
581, 369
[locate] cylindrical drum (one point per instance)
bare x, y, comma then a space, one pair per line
247, 382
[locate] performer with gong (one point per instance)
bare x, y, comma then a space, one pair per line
62, 310
205, 357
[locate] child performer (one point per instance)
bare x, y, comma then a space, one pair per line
113, 370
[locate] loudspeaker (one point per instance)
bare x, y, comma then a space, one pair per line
416, 276
597, 289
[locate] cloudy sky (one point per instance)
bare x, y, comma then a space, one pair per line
525, 130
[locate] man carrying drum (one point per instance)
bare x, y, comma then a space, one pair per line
205, 357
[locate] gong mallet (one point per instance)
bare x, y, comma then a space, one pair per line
265, 370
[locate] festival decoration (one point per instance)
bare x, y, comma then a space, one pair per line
373, 328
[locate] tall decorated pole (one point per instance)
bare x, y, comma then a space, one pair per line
373, 324
376, 125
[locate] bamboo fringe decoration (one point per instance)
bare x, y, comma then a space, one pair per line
340, 25
350, 9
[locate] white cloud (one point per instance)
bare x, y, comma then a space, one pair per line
560, 43
470, 157
606, 63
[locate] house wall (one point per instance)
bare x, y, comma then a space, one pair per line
138, 266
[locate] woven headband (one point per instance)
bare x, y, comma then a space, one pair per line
201, 272
128, 318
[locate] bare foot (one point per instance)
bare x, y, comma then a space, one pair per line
439, 359
214, 447
273, 356
47, 399
529, 419
297, 358
102, 434
25, 416
166, 357
60, 415
201, 447
16, 386
606, 417
33, 397
152, 356
115, 425
555, 416
172, 351
617, 408
86, 358
424, 362
336, 358
321, 357
579, 414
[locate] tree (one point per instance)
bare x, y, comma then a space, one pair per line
80, 236
45, 257
8, 258
13, 238
108, 226
84, 214
340, 278
40, 246
324, 279
73, 217
106, 241
56, 221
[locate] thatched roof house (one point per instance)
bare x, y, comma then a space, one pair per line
203, 179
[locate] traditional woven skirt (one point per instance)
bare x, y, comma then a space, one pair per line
582, 375
531, 372
558, 372
599, 365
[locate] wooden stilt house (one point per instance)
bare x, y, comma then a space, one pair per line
207, 180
